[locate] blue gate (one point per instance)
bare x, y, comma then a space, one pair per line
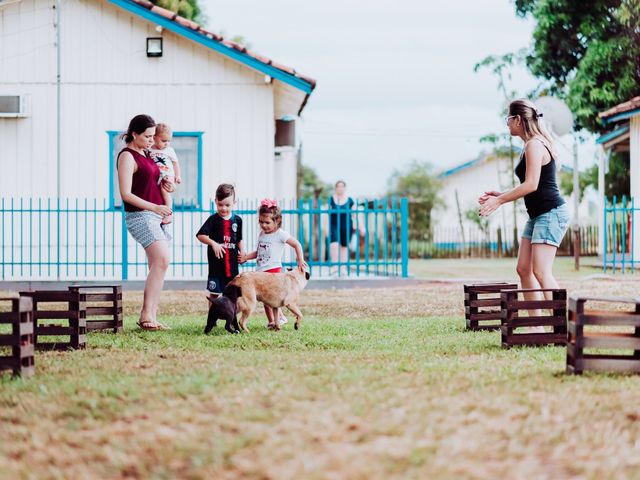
619, 235
86, 239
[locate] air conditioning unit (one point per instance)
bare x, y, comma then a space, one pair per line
14, 106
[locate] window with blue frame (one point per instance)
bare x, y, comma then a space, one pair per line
188, 147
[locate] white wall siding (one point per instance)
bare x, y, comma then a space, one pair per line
106, 80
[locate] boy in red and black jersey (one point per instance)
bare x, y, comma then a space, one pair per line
222, 233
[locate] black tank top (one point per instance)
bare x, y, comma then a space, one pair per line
547, 196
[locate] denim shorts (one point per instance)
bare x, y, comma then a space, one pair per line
549, 227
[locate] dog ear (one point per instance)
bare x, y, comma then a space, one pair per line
289, 269
307, 275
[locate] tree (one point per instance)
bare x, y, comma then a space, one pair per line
616, 181
310, 185
188, 9
420, 185
503, 143
587, 51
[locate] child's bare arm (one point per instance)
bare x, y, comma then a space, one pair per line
251, 256
218, 249
295, 244
176, 171
241, 256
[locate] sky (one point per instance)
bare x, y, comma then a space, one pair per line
395, 80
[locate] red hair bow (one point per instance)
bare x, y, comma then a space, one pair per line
268, 202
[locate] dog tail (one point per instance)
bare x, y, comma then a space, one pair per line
232, 292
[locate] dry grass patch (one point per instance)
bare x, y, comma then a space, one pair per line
377, 384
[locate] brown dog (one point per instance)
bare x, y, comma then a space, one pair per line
274, 289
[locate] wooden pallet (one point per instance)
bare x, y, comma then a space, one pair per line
50, 321
482, 305
512, 307
104, 306
21, 340
615, 338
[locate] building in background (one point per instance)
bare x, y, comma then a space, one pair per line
70, 80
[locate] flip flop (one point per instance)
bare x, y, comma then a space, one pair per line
148, 325
162, 326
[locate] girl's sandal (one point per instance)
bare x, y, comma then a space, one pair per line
162, 326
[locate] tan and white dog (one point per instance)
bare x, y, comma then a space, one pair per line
274, 289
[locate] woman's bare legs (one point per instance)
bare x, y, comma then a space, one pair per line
344, 257
527, 277
542, 265
158, 260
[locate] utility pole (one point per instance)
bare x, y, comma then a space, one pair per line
58, 8
576, 204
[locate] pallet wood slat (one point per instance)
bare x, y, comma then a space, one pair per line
512, 306
579, 338
100, 316
482, 305
73, 312
21, 338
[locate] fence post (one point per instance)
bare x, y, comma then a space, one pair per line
405, 236
125, 248
605, 234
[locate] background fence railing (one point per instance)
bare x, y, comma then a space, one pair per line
448, 243
49, 239
619, 238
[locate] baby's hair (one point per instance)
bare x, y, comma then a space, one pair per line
163, 128
225, 190
344, 184
271, 208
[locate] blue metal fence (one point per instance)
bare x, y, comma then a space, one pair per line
619, 234
69, 239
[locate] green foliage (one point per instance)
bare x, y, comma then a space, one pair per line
585, 178
588, 51
420, 185
186, 8
481, 222
616, 180
310, 184
500, 66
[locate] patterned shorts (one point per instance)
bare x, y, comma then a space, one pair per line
146, 227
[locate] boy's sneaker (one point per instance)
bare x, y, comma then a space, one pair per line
282, 320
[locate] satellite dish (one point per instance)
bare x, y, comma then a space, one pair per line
557, 115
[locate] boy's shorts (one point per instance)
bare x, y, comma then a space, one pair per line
217, 284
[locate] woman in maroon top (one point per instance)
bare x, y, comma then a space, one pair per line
146, 203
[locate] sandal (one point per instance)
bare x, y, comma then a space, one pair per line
162, 326
148, 325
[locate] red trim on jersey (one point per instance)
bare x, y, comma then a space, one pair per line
226, 232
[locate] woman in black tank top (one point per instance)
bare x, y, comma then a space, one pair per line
548, 213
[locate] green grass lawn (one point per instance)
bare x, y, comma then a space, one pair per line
356, 398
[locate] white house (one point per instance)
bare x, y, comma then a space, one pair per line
72, 75
624, 137
464, 183
73, 72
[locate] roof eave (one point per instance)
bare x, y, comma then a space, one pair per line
202, 39
621, 116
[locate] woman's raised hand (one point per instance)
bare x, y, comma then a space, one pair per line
487, 195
